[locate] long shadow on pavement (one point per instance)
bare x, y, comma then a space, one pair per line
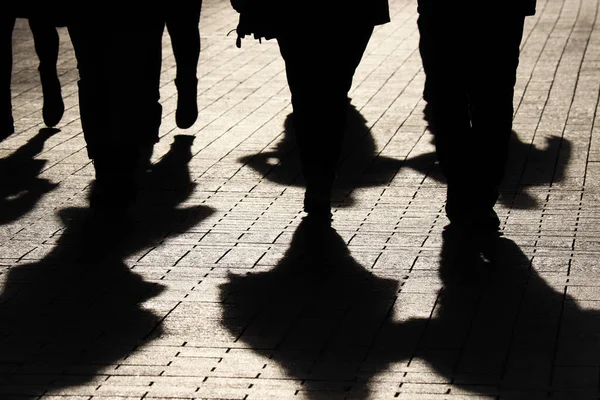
282, 165
497, 328
316, 313
20, 186
78, 312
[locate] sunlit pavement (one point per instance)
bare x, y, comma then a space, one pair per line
217, 291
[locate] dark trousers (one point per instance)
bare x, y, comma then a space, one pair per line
182, 22
119, 73
320, 67
472, 58
7, 24
46, 43
140, 49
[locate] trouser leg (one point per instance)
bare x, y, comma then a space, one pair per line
94, 101
319, 77
138, 81
46, 42
492, 93
182, 23
7, 24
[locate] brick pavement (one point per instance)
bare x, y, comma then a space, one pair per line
214, 294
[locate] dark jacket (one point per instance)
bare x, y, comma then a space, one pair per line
58, 13
269, 18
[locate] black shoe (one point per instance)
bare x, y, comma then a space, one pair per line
317, 201
474, 236
317, 235
145, 158
114, 189
110, 198
54, 107
187, 102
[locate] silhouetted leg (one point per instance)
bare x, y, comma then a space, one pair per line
89, 47
424, 23
492, 98
99, 103
319, 76
448, 96
141, 111
182, 23
46, 42
7, 23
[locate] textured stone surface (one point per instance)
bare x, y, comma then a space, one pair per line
215, 294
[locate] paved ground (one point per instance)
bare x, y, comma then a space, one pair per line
215, 294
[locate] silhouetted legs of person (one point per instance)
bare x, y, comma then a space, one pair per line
474, 58
182, 22
107, 107
320, 68
138, 77
424, 21
46, 42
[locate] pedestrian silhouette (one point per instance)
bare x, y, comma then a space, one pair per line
120, 112
319, 74
20, 185
46, 42
359, 165
471, 98
79, 307
121, 130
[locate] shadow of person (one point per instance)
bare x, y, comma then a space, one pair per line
527, 166
359, 166
500, 329
20, 186
315, 314
79, 311
497, 327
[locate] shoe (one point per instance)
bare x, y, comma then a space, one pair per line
187, 102
114, 189
317, 201
474, 236
54, 107
145, 158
